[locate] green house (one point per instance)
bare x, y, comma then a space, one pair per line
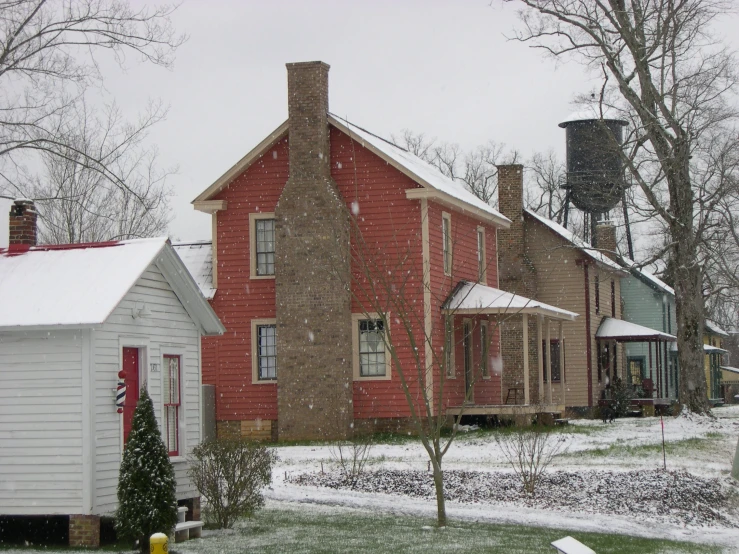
650, 302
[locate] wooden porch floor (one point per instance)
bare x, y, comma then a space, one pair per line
507, 409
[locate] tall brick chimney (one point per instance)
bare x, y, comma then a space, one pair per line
606, 238
312, 274
517, 274
22, 227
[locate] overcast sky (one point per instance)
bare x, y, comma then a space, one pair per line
434, 66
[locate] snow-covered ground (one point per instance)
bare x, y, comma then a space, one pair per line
701, 446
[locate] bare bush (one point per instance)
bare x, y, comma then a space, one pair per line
529, 451
351, 457
230, 475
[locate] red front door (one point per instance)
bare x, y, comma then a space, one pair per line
131, 372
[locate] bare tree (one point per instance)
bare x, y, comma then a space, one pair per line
665, 72
79, 204
48, 59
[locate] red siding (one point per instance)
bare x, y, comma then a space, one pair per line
391, 227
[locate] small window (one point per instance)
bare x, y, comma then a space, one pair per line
449, 345
481, 261
265, 246
171, 394
446, 238
636, 371
554, 347
484, 349
267, 352
262, 245
597, 294
613, 298
371, 348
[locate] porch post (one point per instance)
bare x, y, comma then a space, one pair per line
562, 361
548, 347
526, 359
540, 361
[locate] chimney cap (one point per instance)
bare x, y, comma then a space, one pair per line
298, 65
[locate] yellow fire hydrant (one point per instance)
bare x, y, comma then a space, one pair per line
158, 543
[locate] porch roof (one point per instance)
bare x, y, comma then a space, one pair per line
625, 331
474, 298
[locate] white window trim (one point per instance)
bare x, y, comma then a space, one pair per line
485, 324
255, 352
356, 318
451, 372
181, 417
482, 249
253, 217
447, 244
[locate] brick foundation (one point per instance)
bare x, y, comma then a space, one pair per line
84, 530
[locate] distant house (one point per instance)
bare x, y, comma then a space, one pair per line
76, 321
713, 337
546, 261
650, 302
304, 355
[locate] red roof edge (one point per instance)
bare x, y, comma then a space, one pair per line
16, 249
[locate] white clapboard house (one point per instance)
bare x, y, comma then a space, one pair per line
77, 321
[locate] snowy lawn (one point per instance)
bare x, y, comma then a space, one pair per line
698, 450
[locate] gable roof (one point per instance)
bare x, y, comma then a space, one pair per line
646, 277
80, 285
198, 259
713, 328
576, 242
433, 183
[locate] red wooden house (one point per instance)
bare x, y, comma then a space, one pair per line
313, 230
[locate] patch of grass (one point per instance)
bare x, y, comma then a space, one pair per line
300, 530
623, 448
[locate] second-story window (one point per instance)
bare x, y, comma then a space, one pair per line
446, 238
597, 294
481, 261
265, 246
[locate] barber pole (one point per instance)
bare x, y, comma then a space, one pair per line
120, 393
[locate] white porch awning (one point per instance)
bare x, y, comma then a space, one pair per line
474, 298
620, 330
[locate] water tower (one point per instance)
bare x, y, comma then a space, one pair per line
595, 181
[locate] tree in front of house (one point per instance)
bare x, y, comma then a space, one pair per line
147, 503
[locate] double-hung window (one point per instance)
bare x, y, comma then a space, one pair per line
171, 393
446, 244
449, 345
371, 348
267, 352
481, 258
262, 245
484, 349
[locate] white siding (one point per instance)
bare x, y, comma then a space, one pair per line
41, 422
168, 330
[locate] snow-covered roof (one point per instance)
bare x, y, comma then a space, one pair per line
713, 328
618, 329
588, 113
576, 241
475, 298
419, 170
80, 285
198, 259
709, 349
730, 369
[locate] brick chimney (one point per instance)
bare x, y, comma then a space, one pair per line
22, 228
606, 238
516, 272
312, 274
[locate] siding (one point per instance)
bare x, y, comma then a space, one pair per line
169, 330
561, 283
41, 422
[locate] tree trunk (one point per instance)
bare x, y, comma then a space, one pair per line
440, 501
688, 278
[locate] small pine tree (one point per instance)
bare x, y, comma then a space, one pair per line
147, 502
